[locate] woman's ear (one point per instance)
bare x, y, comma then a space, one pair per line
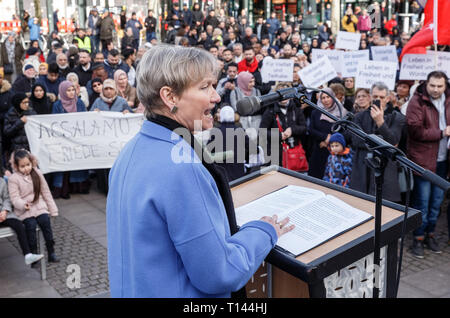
168, 97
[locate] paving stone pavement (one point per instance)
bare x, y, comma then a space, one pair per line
80, 236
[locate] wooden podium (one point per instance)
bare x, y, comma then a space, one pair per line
340, 267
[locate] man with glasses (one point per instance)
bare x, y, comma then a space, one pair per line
387, 125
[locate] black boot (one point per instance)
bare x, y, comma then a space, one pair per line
52, 258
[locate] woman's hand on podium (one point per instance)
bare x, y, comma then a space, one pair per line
280, 227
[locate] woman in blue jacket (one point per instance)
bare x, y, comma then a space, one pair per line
170, 217
71, 181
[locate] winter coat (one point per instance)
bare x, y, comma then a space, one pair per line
349, 25
362, 178
318, 130
5, 201
364, 23
5, 96
23, 84
19, 53
110, 69
136, 30
59, 109
294, 119
21, 192
119, 105
339, 168
35, 30
14, 128
107, 27
50, 87
424, 133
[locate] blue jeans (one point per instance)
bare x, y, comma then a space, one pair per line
427, 198
150, 36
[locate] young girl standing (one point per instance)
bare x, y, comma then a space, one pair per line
32, 200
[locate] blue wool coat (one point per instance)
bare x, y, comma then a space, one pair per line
168, 233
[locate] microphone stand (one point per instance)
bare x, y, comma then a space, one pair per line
380, 152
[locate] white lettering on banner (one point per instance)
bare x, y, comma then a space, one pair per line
369, 72
317, 73
350, 61
79, 141
348, 40
334, 56
277, 70
418, 66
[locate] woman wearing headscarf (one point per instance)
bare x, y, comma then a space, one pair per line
12, 52
109, 100
81, 90
97, 85
320, 131
245, 88
72, 181
15, 119
40, 100
124, 89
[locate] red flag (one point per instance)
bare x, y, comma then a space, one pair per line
424, 38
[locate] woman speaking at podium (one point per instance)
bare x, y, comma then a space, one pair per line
170, 216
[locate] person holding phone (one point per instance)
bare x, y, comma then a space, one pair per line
389, 126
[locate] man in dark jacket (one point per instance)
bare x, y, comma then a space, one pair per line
376, 120
24, 82
150, 26
106, 25
113, 63
83, 69
428, 118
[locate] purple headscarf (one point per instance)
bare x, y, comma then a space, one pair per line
69, 104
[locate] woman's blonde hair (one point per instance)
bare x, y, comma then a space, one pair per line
177, 67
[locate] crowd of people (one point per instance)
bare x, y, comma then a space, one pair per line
95, 74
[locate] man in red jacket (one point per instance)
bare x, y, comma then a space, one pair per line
428, 119
249, 63
392, 23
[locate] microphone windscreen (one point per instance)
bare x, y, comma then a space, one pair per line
247, 105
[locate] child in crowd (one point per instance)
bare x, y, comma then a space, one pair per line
32, 200
9, 219
339, 165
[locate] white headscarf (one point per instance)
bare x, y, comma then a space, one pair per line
227, 114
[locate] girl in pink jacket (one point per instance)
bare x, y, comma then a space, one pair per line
32, 200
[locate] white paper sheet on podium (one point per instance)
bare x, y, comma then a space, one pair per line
317, 217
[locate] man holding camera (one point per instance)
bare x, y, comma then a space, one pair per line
378, 120
428, 118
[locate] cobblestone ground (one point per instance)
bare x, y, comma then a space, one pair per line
74, 246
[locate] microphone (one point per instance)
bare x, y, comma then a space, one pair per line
251, 104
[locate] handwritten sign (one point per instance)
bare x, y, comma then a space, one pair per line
348, 40
350, 61
418, 66
385, 53
277, 70
334, 56
369, 72
79, 141
317, 73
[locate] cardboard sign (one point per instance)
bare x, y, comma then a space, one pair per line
79, 141
369, 72
317, 73
418, 66
348, 41
350, 61
277, 70
334, 56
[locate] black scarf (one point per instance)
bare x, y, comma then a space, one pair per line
218, 173
42, 106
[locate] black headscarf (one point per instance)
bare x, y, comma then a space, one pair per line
94, 95
16, 100
42, 106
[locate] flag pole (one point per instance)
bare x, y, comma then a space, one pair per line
435, 33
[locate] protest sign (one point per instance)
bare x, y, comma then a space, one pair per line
385, 53
79, 141
350, 61
317, 73
348, 40
334, 56
369, 72
277, 70
418, 66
